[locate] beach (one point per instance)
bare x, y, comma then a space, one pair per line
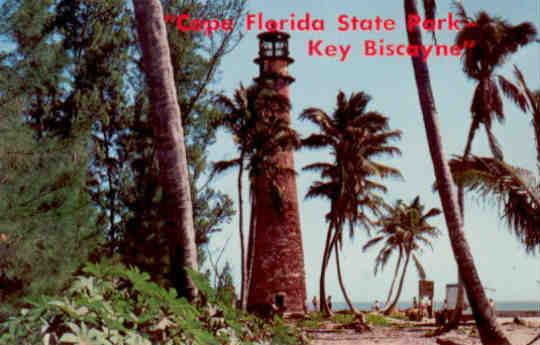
466, 335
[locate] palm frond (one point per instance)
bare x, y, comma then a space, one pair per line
513, 93
516, 191
321, 167
372, 242
460, 11
318, 117
317, 141
221, 166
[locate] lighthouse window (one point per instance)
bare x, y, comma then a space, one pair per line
280, 49
267, 49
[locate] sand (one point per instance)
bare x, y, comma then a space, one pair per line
519, 335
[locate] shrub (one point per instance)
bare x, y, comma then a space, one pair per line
115, 305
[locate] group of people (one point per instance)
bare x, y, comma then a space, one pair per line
425, 306
315, 302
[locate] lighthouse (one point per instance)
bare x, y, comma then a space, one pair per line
277, 266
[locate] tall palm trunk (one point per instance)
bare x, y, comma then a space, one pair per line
251, 243
489, 329
324, 308
396, 271
392, 306
340, 280
169, 142
243, 299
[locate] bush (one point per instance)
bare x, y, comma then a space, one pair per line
115, 305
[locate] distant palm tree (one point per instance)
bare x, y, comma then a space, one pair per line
238, 119
494, 40
526, 99
258, 134
356, 138
405, 228
516, 190
488, 327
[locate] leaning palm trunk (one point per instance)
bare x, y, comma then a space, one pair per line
488, 328
396, 271
243, 299
324, 308
388, 310
340, 280
169, 142
453, 323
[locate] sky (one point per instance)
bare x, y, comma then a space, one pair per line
504, 267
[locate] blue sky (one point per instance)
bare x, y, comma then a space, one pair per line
501, 262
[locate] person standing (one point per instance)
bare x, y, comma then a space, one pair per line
329, 302
430, 308
315, 302
492, 303
376, 306
421, 309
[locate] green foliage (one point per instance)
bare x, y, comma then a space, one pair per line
343, 319
46, 215
78, 132
312, 320
377, 319
317, 320
353, 180
112, 304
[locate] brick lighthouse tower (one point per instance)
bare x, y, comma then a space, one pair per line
278, 260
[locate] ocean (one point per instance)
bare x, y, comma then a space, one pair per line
514, 306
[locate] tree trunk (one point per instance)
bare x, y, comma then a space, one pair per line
488, 328
169, 142
251, 243
396, 271
243, 297
388, 310
323, 305
453, 323
340, 280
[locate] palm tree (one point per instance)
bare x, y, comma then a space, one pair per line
238, 119
526, 99
355, 137
169, 143
249, 117
393, 235
516, 190
494, 40
489, 329
404, 228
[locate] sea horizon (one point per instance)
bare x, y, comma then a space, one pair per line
517, 305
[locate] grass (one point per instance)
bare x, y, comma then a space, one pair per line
317, 320
343, 319
376, 319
